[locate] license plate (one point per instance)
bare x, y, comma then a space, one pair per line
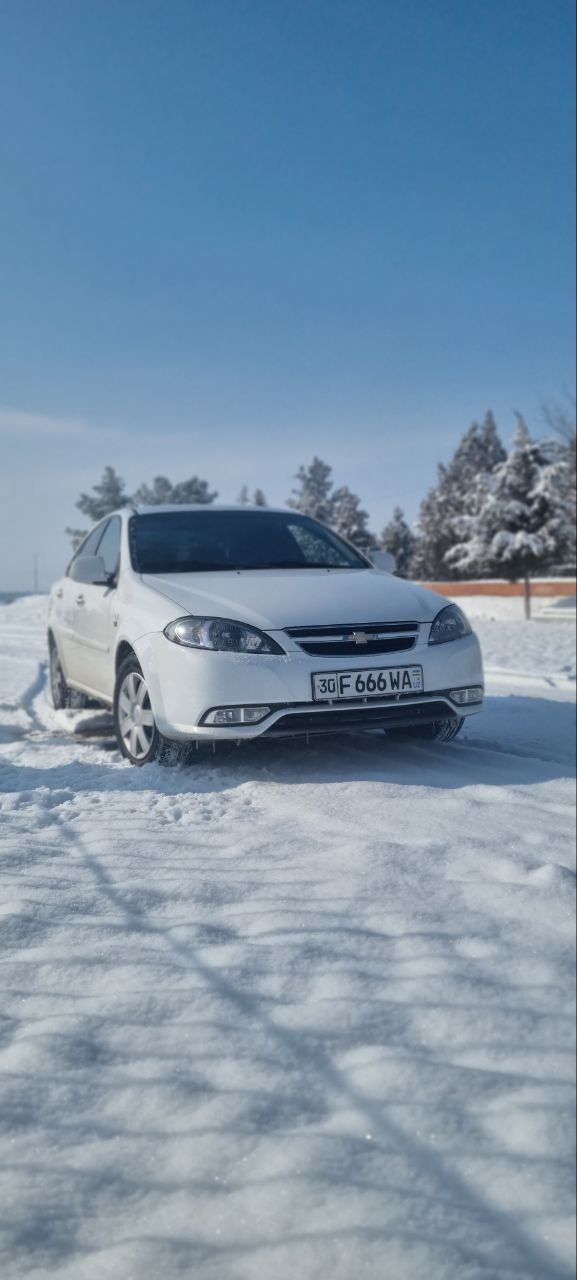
374, 682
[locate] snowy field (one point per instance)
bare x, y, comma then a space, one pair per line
299, 1013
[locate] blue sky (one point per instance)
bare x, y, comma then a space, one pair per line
234, 233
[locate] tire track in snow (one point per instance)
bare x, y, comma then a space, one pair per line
522, 1252
203, 818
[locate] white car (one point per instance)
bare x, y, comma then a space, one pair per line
206, 622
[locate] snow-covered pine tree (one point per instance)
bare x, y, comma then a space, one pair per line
519, 526
163, 491
398, 538
155, 494
561, 418
347, 517
257, 500
339, 508
193, 490
557, 486
312, 493
456, 494
107, 496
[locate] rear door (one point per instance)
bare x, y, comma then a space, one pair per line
65, 606
95, 623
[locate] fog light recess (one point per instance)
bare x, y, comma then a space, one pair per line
464, 696
226, 716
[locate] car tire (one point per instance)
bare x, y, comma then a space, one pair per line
438, 731
63, 697
59, 690
137, 734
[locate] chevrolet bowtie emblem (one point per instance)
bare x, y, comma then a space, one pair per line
360, 637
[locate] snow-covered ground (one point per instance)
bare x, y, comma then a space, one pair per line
293, 1012
512, 608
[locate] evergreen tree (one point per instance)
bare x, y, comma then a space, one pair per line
399, 539
107, 496
154, 495
456, 494
193, 490
338, 508
561, 417
257, 500
519, 526
163, 491
312, 494
557, 487
346, 517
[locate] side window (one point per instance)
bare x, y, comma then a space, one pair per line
109, 547
89, 546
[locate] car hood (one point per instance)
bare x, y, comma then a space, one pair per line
276, 599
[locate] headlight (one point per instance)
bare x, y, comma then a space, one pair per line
220, 634
449, 624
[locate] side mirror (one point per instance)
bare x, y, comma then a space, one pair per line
90, 569
382, 560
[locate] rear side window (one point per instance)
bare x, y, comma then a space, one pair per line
109, 547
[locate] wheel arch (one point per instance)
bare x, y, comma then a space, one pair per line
125, 650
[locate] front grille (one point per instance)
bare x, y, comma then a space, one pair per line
395, 716
357, 640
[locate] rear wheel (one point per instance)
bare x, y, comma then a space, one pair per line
58, 686
137, 733
438, 731
62, 695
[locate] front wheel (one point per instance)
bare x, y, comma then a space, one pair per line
438, 731
137, 733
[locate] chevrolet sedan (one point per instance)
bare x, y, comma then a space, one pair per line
211, 622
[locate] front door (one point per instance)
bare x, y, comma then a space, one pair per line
94, 624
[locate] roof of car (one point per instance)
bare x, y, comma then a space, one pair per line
164, 508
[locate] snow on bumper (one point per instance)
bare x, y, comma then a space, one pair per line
185, 684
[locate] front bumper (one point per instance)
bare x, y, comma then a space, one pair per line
186, 684
312, 719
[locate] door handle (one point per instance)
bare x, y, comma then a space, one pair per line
80, 599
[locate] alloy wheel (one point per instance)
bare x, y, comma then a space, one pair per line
135, 718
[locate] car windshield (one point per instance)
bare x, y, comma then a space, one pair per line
197, 541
